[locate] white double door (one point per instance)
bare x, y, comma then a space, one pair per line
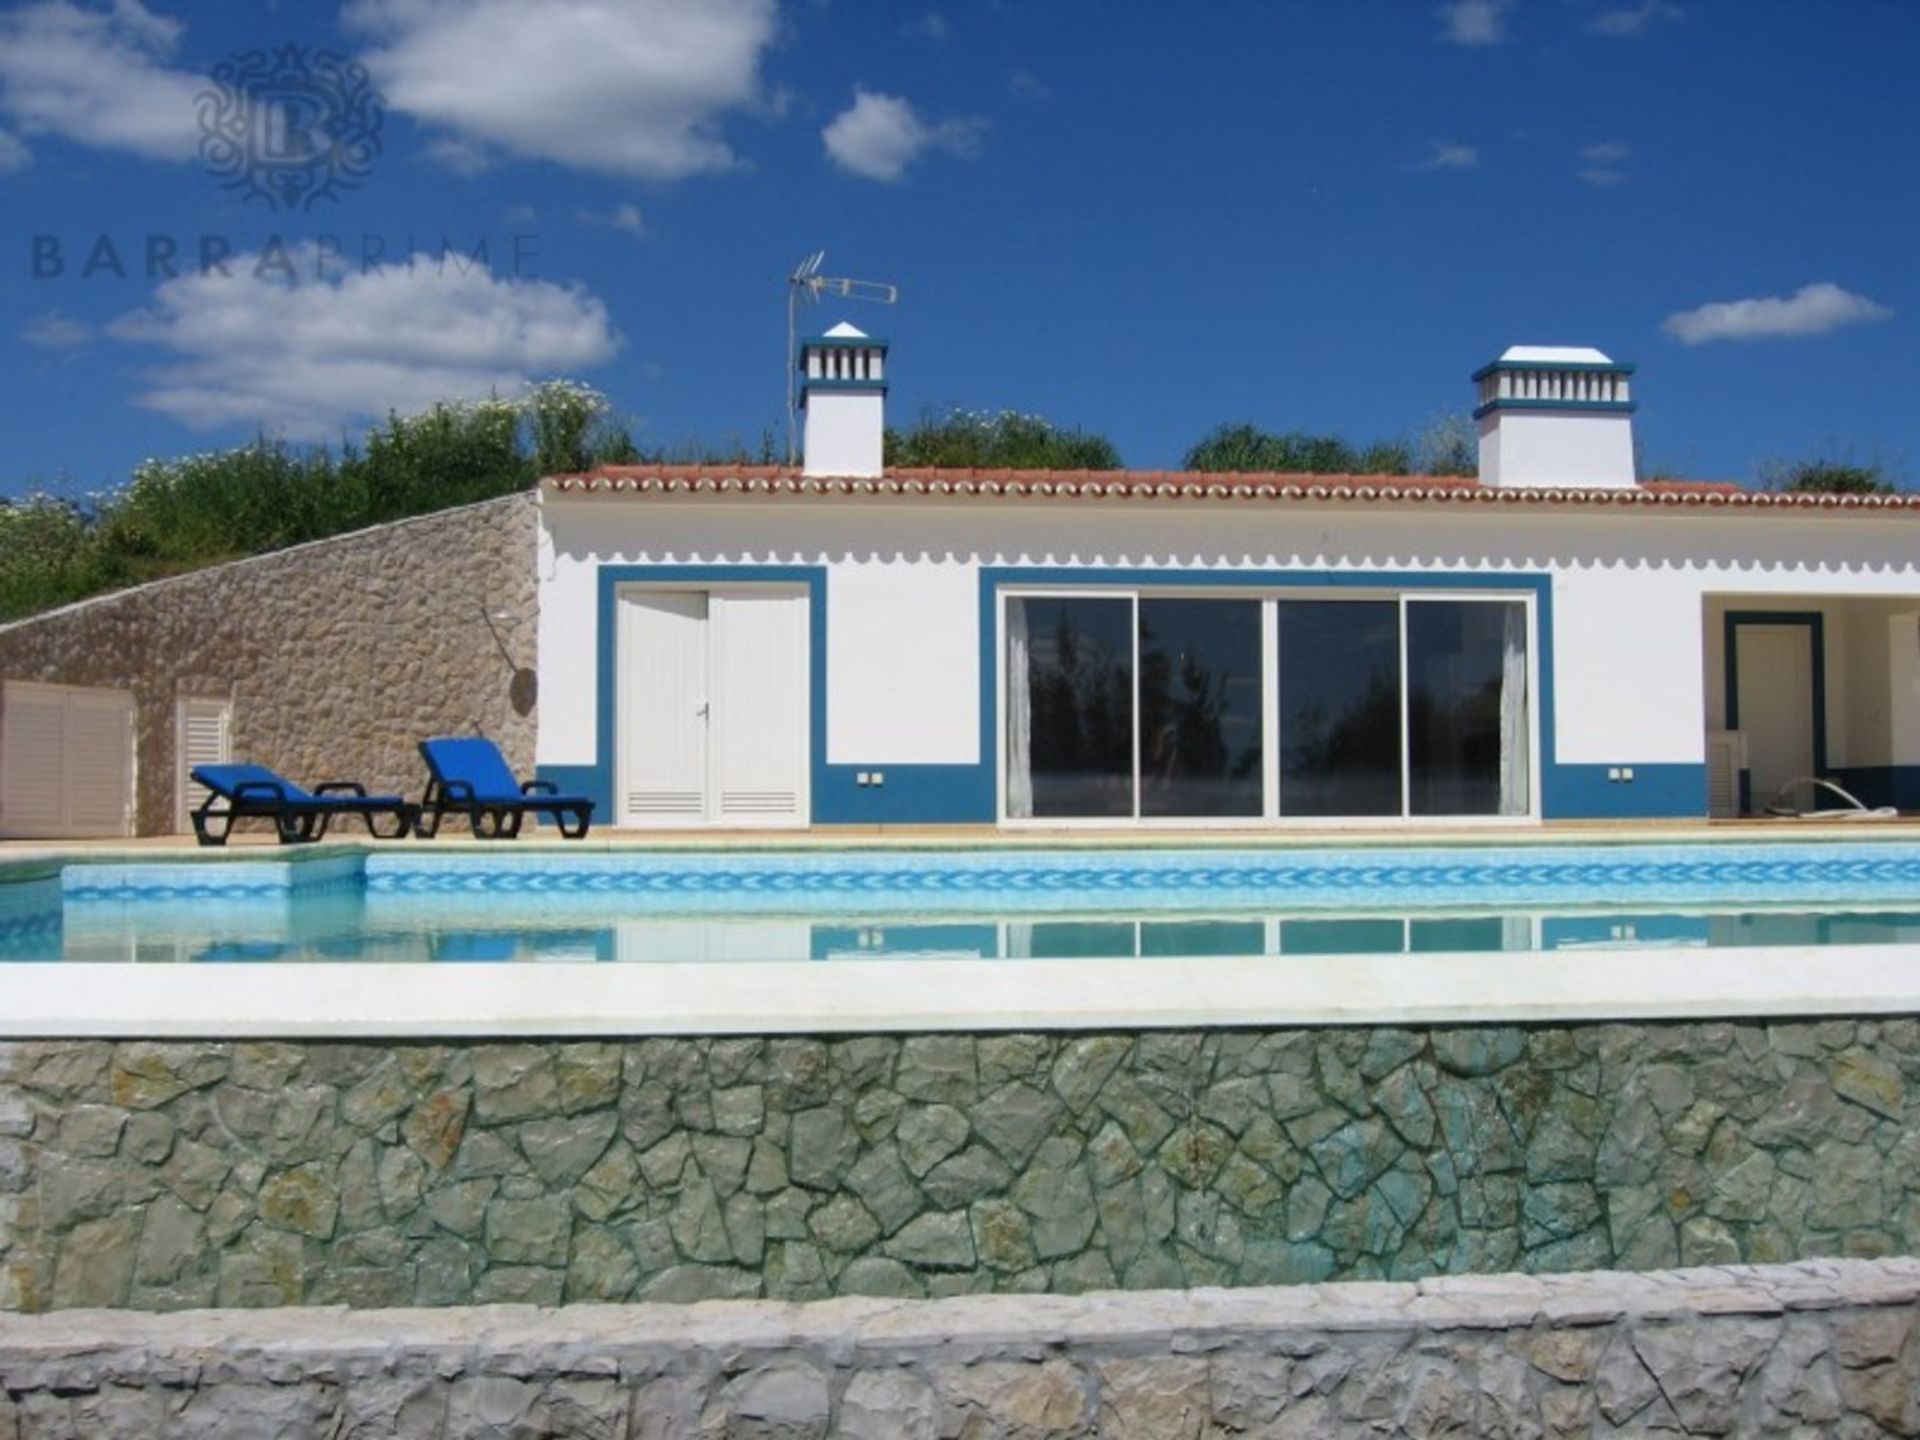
713, 707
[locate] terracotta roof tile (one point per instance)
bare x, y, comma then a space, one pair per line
758, 481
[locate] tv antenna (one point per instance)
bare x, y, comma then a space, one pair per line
805, 286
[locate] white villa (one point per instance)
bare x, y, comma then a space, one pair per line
844, 644
849, 644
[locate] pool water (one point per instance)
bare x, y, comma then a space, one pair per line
413, 904
336, 929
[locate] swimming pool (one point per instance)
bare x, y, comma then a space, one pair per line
668, 908
364, 940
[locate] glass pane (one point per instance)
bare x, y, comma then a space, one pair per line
1342, 937
1200, 707
1339, 707
1475, 933
1189, 938
1069, 707
1072, 940
1467, 707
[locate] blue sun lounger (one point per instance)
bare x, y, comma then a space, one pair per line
243, 792
469, 776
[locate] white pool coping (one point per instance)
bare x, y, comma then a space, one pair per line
392, 1001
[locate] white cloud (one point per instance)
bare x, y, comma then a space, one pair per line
55, 331
1629, 22
931, 26
1812, 310
13, 154
301, 348
625, 87
99, 77
1028, 86
626, 218
1474, 22
879, 136
1449, 156
521, 215
1604, 164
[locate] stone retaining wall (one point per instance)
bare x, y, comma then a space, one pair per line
167, 1176
337, 656
1826, 1348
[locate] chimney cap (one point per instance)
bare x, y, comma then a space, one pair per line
841, 337
1554, 357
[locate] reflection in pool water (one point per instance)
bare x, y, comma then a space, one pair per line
351, 923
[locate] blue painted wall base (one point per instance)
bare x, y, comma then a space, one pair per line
1656, 792
912, 795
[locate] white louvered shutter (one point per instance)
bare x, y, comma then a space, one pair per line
203, 735
100, 762
66, 762
33, 766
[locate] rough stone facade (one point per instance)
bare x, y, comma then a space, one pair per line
337, 656
173, 1175
1821, 1349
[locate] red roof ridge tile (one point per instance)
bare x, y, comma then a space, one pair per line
923, 481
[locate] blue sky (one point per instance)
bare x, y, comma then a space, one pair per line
1141, 219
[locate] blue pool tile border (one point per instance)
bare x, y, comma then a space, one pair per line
1336, 877
232, 880
1331, 877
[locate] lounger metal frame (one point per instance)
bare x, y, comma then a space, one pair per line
297, 821
495, 819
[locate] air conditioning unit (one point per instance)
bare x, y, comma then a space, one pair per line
1726, 758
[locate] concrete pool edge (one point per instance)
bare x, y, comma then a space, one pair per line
62, 1000
21, 858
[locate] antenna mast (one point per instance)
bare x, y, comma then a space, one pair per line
805, 285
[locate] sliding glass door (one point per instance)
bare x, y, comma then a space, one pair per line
1467, 731
1123, 705
1070, 707
1200, 707
1339, 707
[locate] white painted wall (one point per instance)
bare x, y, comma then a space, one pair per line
1556, 448
903, 638
845, 432
1631, 625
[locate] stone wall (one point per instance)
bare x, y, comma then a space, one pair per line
1829, 1349
166, 1176
338, 656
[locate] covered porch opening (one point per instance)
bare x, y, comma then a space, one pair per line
1801, 688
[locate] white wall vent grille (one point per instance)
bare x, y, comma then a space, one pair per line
202, 735
664, 802
759, 802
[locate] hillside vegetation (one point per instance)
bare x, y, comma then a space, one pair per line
183, 514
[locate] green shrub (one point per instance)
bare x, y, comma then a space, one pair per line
1829, 477
1002, 440
182, 514
1247, 447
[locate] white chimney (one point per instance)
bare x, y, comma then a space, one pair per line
1555, 416
843, 389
